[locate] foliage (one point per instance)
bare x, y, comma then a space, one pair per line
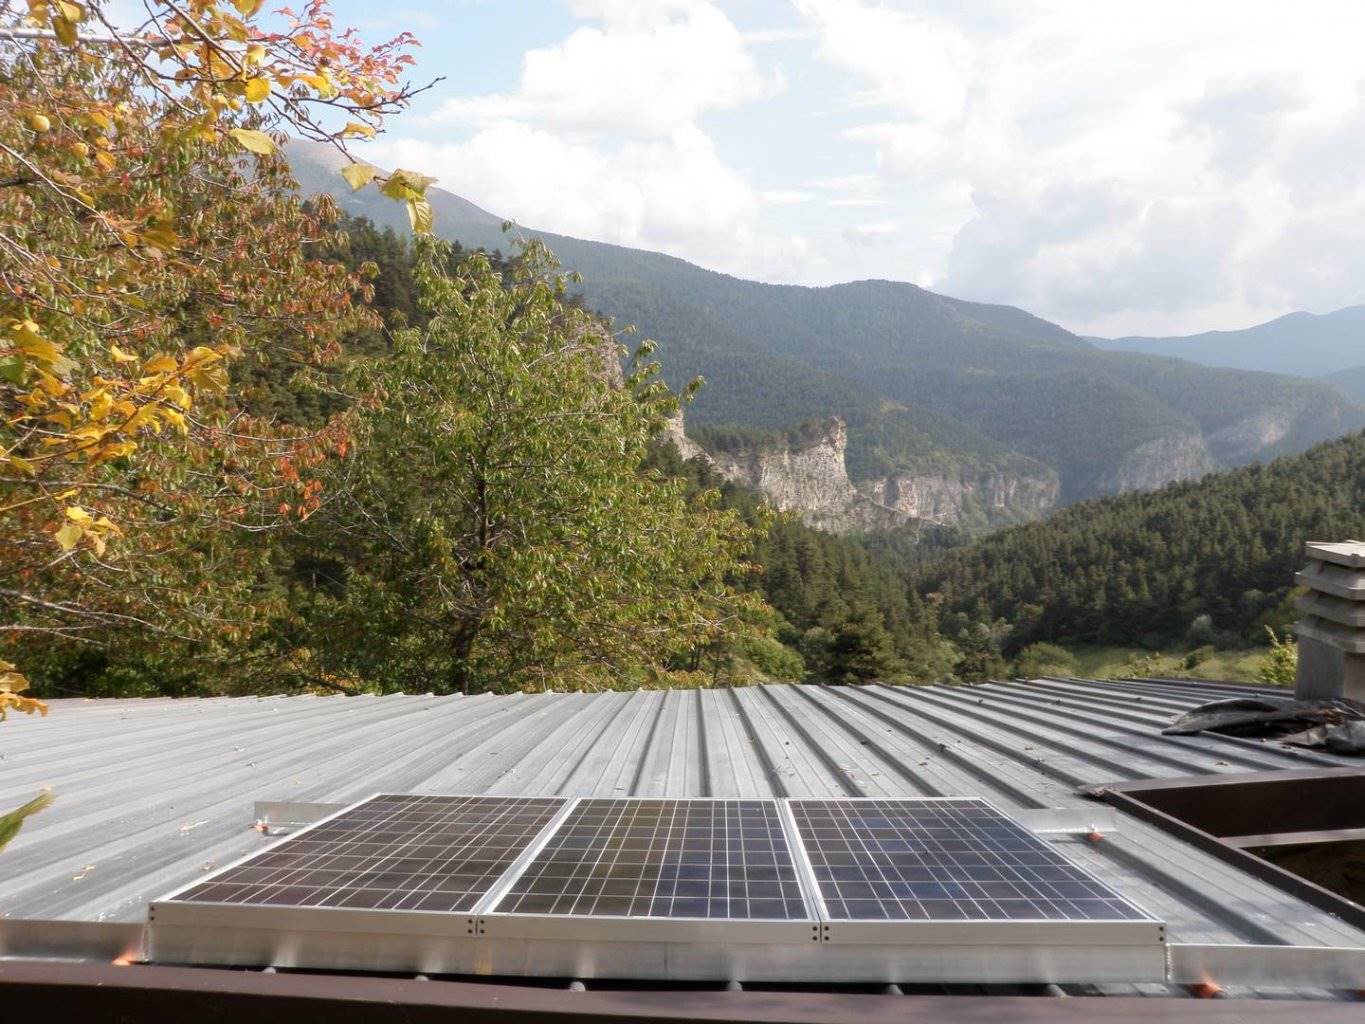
1044, 659
1280, 664
1145, 568
980, 659
491, 528
151, 240
12, 821
858, 649
12, 688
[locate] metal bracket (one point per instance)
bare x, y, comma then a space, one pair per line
1067, 820
292, 813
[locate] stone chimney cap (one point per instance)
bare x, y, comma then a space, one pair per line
1349, 553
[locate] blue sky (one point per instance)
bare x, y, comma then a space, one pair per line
1117, 167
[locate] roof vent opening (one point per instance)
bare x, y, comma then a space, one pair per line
1332, 634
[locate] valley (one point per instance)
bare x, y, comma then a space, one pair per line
954, 411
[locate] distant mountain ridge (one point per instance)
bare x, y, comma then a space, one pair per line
1303, 344
930, 387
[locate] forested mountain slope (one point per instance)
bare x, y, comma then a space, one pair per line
1305, 344
1143, 567
1351, 381
774, 355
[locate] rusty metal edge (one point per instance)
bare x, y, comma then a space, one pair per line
150, 994
1278, 775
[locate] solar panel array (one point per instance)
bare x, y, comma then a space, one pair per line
663, 859
924, 860
432, 853
871, 860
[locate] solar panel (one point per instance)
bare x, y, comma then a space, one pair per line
433, 853
943, 860
663, 859
696, 889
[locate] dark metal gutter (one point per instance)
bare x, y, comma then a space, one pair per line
149, 995
1213, 814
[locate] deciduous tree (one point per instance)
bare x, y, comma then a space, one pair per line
149, 238
494, 528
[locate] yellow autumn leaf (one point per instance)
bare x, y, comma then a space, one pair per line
324, 85
175, 418
27, 705
256, 142
160, 364
419, 214
120, 356
78, 515
404, 185
202, 354
68, 536
247, 8
162, 236
144, 417
356, 128
64, 27
16, 463
100, 404
257, 90
210, 377
108, 525
175, 393
358, 175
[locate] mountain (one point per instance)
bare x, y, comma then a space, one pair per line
1303, 344
1351, 381
1145, 568
925, 383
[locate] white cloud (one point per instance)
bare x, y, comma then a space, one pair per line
632, 193
602, 138
1154, 167
646, 68
874, 233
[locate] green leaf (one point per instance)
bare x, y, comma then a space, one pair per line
13, 370
11, 823
358, 175
256, 142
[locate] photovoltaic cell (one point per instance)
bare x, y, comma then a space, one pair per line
434, 853
663, 859
956, 859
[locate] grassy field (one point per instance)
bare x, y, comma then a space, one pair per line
1112, 662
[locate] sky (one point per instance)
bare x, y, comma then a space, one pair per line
1162, 167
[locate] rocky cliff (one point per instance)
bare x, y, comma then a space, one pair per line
1157, 463
809, 475
809, 478
973, 495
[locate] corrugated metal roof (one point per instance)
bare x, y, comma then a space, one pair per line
151, 793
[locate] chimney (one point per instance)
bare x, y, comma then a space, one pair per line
1332, 635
